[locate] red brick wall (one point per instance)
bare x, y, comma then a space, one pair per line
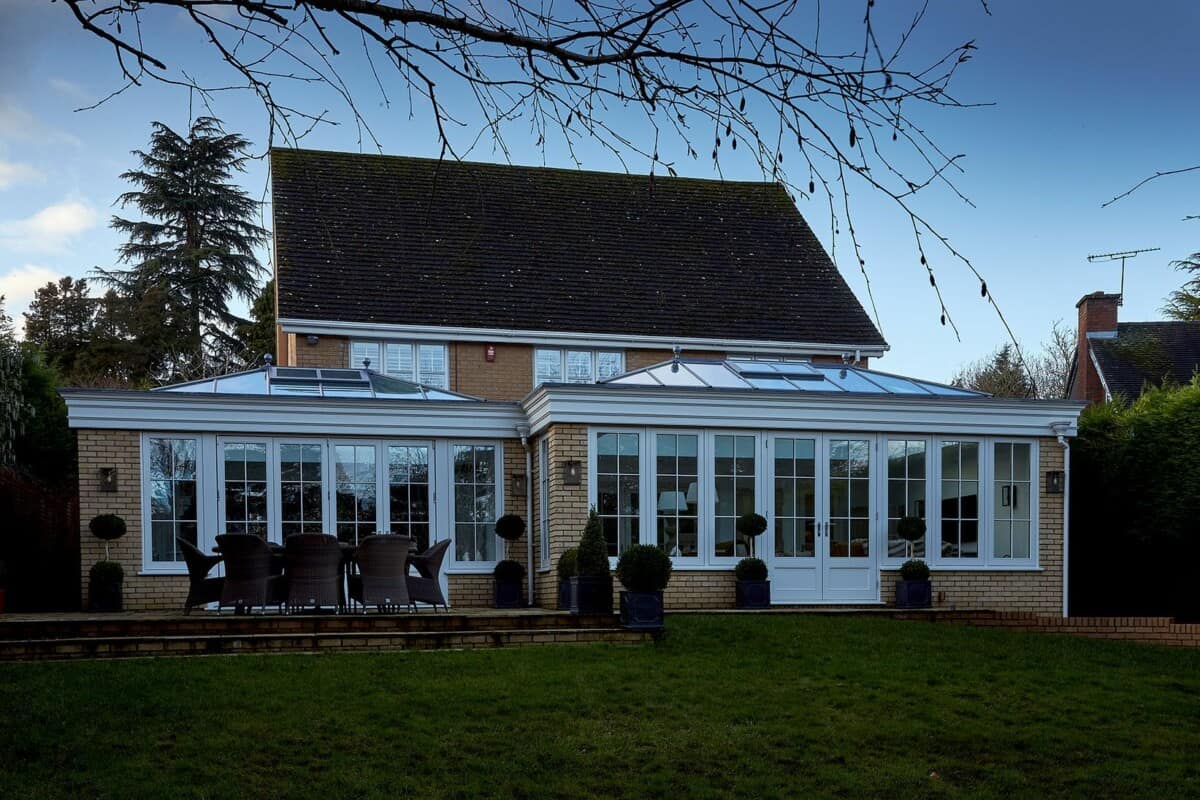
1097, 314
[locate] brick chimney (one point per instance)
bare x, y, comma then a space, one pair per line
1097, 318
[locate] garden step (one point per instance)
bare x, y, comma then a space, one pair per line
361, 641
93, 626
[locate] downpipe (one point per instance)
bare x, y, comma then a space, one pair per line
523, 432
1060, 429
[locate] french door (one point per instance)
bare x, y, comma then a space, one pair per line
821, 516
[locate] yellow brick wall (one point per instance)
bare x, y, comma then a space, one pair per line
329, 351
509, 377
121, 449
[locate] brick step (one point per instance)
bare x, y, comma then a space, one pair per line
212, 624
241, 644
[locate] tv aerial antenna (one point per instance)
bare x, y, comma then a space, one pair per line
1121, 257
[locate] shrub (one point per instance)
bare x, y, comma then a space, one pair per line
751, 569
510, 527
509, 572
910, 528
914, 570
568, 564
107, 527
644, 568
751, 524
592, 561
106, 573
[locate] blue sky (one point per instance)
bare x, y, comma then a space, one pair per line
1086, 99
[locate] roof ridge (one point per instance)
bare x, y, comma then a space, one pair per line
532, 167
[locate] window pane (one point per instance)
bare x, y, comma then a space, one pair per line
360, 351
677, 500
301, 488
609, 364
475, 502
432, 366
579, 366
618, 485
398, 360
173, 510
547, 366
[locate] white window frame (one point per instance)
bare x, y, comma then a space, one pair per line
562, 355
272, 483
327, 498
704, 522
384, 502
379, 362
709, 479
933, 507
543, 490
1035, 502
331, 520
645, 484
984, 480
453, 564
205, 511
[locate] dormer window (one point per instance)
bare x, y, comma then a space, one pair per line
558, 365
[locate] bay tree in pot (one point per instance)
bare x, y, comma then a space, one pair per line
752, 588
106, 578
568, 568
507, 577
510, 527
913, 590
591, 586
644, 571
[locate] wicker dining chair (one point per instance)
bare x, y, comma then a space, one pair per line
382, 570
248, 578
426, 587
202, 589
312, 566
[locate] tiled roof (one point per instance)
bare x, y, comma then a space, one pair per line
393, 240
1147, 352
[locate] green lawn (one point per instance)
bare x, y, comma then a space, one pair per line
763, 706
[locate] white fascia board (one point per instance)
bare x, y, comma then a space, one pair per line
765, 410
177, 411
305, 327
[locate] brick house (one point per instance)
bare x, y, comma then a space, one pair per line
457, 341
1115, 358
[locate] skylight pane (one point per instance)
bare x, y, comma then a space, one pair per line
717, 375
297, 372
850, 380
897, 385
246, 383
770, 383
681, 378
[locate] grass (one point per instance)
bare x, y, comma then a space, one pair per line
751, 706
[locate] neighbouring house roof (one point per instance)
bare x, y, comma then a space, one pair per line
408, 241
785, 376
1146, 353
310, 382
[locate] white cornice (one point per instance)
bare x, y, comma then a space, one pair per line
766, 410
178, 411
443, 334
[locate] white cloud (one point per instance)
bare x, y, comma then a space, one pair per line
14, 172
18, 286
49, 230
17, 124
70, 90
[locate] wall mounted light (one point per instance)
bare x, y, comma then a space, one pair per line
312, 339
1054, 481
572, 473
108, 479
519, 483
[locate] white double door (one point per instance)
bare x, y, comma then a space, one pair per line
821, 503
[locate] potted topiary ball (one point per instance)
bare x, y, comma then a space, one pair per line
508, 576
644, 570
752, 589
105, 578
913, 589
510, 527
749, 527
567, 568
591, 586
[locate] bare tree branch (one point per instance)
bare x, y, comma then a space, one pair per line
1146, 180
